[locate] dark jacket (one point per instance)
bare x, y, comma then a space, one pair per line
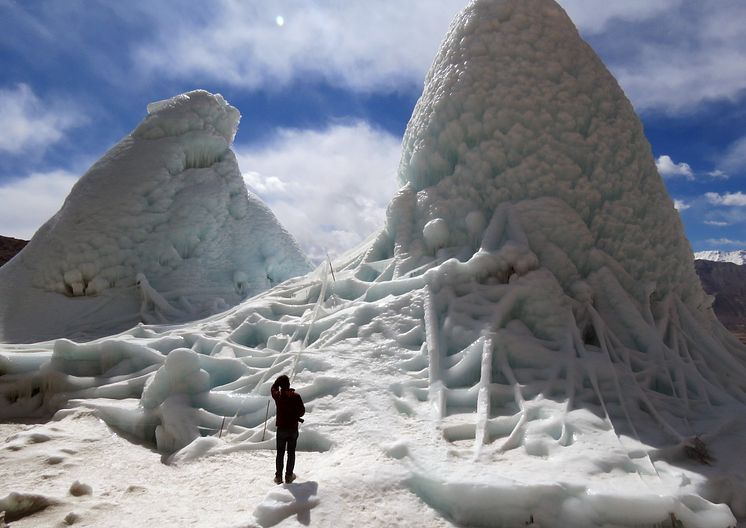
289, 408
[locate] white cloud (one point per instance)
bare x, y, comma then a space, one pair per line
592, 16
31, 201
668, 169
351, 44
736, 199
27, 123
681, 205
329, 188
725, 242
348, 44
669, 54
733, 215
735, 157
716, 223
675, 55
717, 173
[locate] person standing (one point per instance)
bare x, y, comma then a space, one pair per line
289, 411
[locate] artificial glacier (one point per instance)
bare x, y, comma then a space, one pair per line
525, 342
160, 229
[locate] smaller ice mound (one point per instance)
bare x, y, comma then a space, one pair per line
172, 392
161, 229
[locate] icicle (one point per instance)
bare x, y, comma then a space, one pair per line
494, 232
483, 397
432, 330
150, 297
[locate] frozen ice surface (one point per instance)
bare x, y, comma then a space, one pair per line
525, 343
161, 229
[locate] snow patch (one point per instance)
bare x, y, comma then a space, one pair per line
736, 257
291, 499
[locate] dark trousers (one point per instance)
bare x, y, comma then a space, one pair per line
286, 438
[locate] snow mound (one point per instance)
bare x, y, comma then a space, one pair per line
524, 343
736, 257
161, 229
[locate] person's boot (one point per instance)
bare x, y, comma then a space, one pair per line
289, 477
278, 478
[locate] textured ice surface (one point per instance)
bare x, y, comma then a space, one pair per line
736, 257
160, 229
517, 108
524, 344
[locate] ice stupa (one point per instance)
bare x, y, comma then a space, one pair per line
524, 343
160, 229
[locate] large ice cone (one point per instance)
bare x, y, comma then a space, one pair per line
518, 110
161, 229
526, 340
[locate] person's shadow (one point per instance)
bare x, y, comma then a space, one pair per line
290, 499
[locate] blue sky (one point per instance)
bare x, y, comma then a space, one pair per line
326, 88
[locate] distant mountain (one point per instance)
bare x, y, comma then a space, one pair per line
727, 282
736, 257
9, 246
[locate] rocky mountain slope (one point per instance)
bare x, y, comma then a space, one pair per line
727, 282
9, 246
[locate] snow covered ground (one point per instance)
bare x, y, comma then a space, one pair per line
525, 343
380, 446
354, 484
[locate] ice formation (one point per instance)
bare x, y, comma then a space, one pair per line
160, 229
525, 343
